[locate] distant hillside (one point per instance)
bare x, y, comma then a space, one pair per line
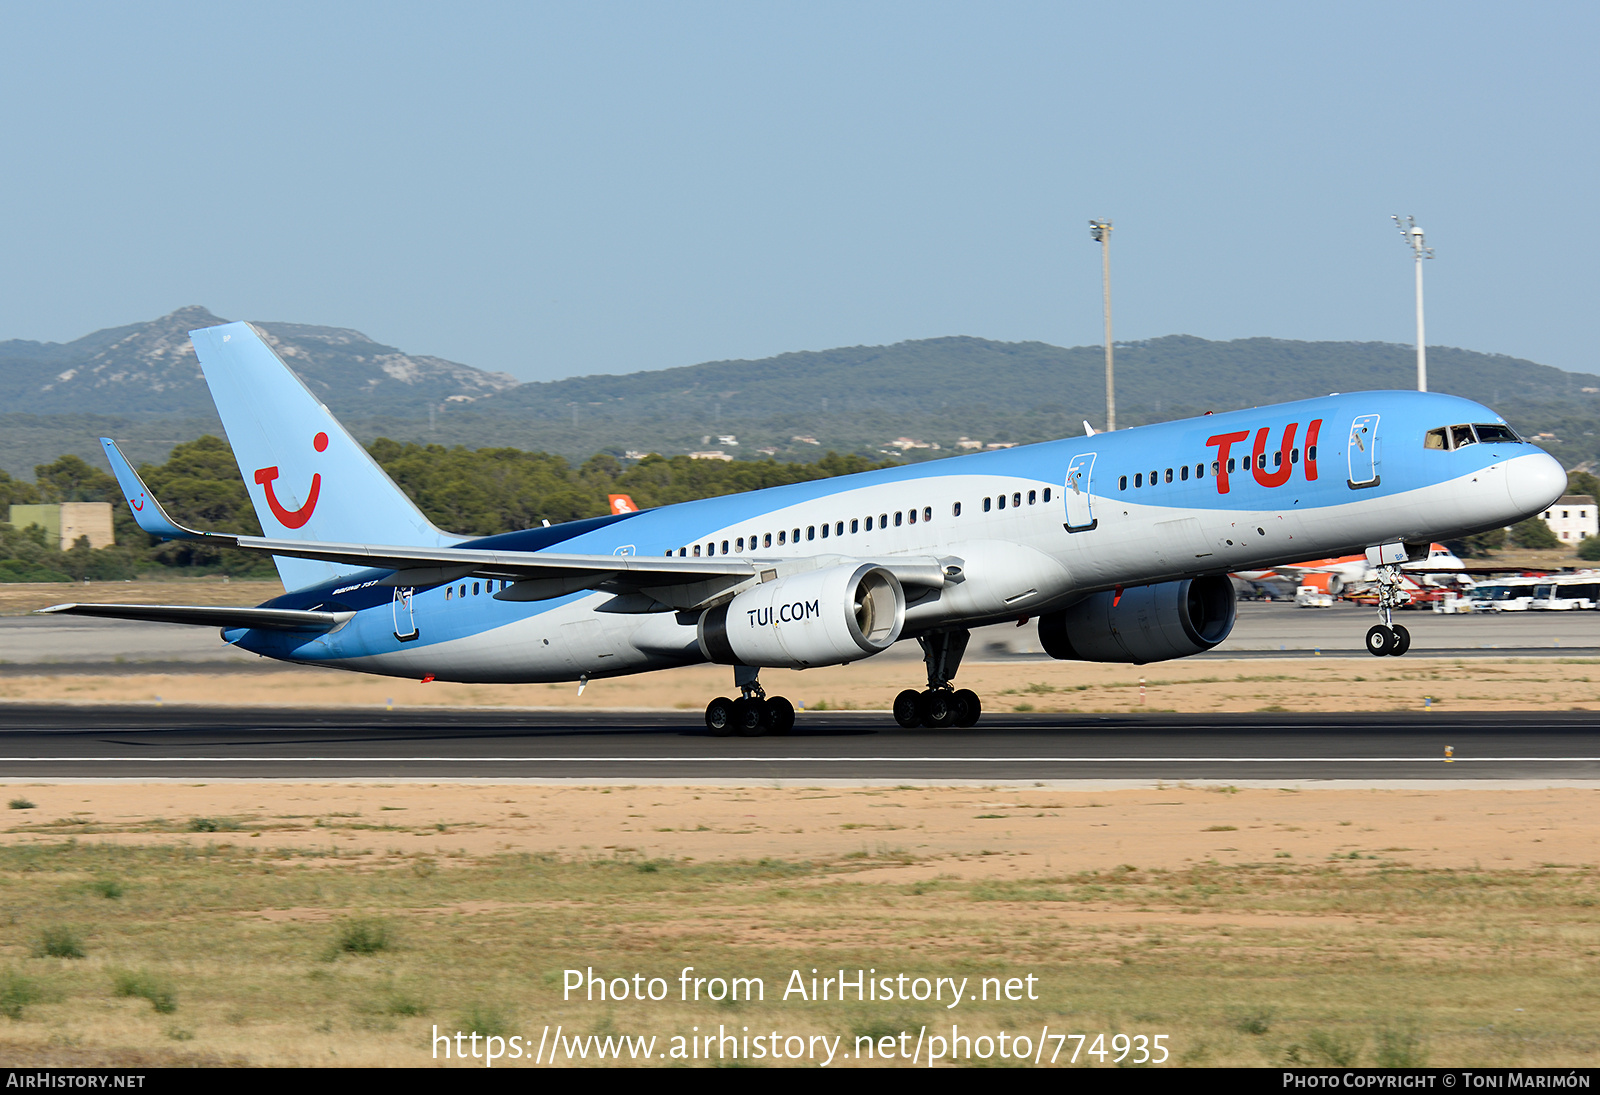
141, 383
151, 369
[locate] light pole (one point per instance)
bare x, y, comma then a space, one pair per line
1101, 231
1415, 241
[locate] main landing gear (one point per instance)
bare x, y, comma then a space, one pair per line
941, 705
753, 713
1388, 638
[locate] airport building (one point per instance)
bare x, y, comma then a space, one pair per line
66, 521
1572, 517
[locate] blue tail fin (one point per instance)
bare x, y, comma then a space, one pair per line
308, 478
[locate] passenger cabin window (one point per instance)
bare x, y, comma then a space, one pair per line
1169, 475
855, 524
740, 543
838, 529
1047, 494
766, 541
1033, 497
1183, 473
897, 518
1138, 480
1000, 501
955, 510
448, 590
724, 547
696, 555
781, 536
1016, 499
911, 516
987, 504
883, 520
869, 524
811, 531
824, 532
1122, 484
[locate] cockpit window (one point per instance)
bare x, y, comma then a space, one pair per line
1489, 433
1460, 436
1434, 439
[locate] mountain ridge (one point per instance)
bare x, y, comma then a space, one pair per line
141, 383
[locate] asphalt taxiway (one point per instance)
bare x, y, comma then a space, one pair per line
142, 742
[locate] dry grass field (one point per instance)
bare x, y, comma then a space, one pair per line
338, 924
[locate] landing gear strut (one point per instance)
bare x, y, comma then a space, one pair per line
1388, 638
753, 713
941, 705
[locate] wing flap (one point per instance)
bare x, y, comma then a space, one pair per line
270, 619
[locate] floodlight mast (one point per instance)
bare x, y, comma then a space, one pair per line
1415, 241
1101, 232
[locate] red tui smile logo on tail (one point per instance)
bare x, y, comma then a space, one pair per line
293, 518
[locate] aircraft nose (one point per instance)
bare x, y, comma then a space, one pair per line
1534, 482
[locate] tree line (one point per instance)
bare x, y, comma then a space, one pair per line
474, 492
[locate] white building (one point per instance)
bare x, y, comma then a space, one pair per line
1573, 517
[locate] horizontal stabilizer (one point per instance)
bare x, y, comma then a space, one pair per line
269, 619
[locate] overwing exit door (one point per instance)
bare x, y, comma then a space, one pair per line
1363, 452
1080, 508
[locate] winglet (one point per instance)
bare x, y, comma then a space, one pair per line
146, 510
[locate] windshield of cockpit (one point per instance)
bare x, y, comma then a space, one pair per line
1459, 437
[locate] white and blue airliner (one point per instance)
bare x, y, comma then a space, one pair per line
1119, 544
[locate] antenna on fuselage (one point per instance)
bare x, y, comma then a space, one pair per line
1101, 231
1419, 247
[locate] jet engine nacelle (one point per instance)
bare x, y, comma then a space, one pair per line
1142, 623
818, 617
1324, 582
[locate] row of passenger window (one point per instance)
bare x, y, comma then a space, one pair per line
1182, 474
452, 592
758, 541
999, 500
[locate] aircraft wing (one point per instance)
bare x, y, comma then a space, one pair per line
271, 619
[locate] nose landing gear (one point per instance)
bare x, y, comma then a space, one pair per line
941, 705
1388, 638
753, 713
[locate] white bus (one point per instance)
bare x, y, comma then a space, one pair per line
1505, 595
1567, 592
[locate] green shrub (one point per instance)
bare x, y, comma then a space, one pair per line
108, 888
20, 804
148, 986
361, 937
1589, 548
16, 993
59, 942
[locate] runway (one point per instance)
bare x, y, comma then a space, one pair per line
43, 742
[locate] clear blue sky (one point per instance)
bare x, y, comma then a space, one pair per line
557, 189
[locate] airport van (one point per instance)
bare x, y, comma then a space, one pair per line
1505, 595
1567, 594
